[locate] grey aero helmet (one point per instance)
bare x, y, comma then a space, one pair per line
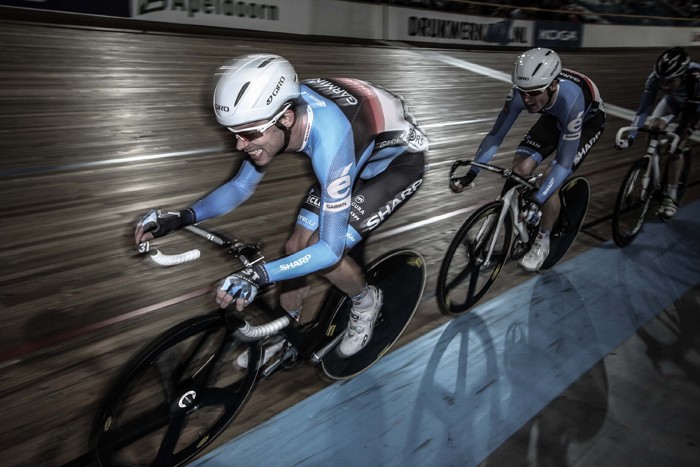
254, 87
672, 63
535, 69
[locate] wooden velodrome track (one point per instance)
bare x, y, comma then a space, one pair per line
100, 124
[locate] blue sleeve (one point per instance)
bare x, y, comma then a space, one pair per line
571, 123
231, 194
493, 140
333, 159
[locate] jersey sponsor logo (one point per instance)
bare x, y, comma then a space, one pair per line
574, 126
306, 221
384, 212
276, 90
313, 200
359, 199
548, 187
296, 263
340, 187
332, 91
337, 206
358, 208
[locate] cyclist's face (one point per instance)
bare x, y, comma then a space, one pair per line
669, 85
261, 147
535, 100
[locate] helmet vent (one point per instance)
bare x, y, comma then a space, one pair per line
267, 62
534, 72
241, 92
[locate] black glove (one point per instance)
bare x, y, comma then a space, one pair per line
459, 184
162, 223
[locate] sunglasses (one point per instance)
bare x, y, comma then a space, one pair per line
255, 132
531, 93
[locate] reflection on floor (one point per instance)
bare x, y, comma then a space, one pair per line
592, 363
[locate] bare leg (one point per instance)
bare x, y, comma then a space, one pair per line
346, 274
524, 166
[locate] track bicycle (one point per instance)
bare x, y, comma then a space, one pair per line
645, 183
494, 232
178, 394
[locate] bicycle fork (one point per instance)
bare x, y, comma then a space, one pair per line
510, 203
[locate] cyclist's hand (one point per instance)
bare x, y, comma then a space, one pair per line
531, 213
624, 143
459, 184
157, 224
242, 287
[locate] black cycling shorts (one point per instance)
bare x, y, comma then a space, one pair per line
373, 200
543, 137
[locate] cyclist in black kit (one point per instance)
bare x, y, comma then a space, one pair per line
679, 78
571, 122
367, 153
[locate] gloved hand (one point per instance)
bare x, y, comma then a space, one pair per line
624, 143
531, 212
157, 223
242, 286
459, 184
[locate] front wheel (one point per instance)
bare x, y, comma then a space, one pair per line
632, 203
470, 266
175, 397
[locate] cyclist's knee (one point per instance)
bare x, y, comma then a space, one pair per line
300, 239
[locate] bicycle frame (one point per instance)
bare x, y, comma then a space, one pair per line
305, 338
510, 202
653, 172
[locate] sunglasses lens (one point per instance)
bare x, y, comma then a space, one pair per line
531, 93
250, 135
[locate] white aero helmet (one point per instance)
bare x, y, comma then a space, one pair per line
535, 69
254, 87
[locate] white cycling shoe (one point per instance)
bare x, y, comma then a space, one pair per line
361, 325
668, 209
534, 259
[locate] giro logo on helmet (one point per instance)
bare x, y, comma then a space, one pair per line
223, 108
276, 91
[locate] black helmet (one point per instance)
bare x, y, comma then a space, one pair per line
671, 63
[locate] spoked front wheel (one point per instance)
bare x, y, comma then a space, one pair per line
632, 203
470, 267
401, 277
175, 397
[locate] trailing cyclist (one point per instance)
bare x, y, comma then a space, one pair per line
679, 78
366, 151
571, 122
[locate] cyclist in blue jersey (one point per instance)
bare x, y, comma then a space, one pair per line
572, 120
366, 151
679, 78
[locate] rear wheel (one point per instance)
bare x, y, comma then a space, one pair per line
467, 272
632, 203
574, 205
175, 397
401, 276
